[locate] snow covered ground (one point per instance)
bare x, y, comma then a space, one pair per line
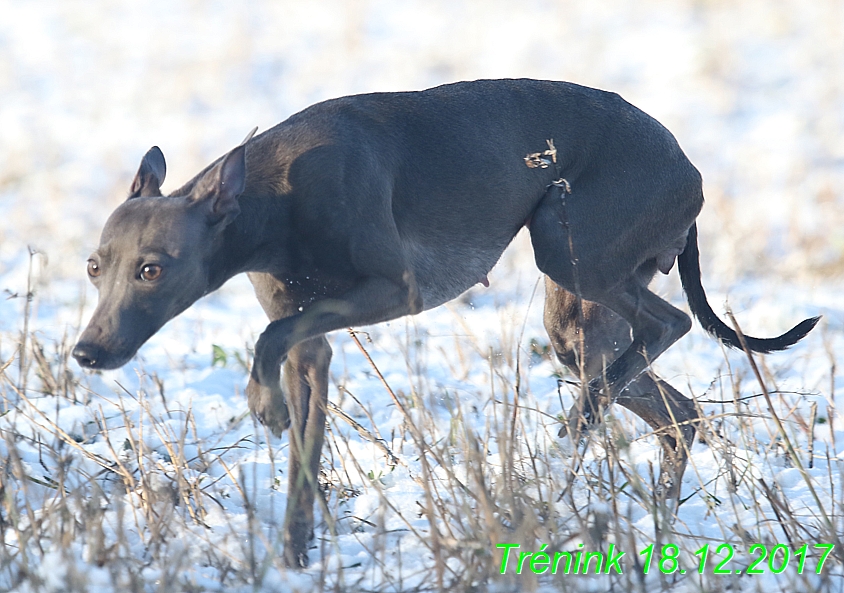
155, 478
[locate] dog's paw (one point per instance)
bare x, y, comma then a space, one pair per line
268, 405
586, 415
297, 535
295, 558
578, 423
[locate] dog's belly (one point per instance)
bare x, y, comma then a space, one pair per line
444, 273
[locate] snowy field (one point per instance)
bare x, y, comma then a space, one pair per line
156, 478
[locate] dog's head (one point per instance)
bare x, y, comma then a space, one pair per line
155, 256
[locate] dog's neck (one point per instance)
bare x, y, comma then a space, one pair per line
253, 242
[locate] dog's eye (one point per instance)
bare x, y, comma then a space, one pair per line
94, 269
150, 272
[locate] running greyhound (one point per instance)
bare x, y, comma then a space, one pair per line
366, 208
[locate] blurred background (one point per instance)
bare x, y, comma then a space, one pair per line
753, 90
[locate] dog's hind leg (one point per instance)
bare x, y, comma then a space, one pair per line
605, 334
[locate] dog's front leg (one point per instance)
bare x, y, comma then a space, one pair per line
299, 343
372, 300
306, 387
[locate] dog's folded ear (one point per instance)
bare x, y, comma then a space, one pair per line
220, 187
150, 175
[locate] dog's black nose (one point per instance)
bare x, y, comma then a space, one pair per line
87, 355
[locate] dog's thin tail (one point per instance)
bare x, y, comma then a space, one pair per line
689, 266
